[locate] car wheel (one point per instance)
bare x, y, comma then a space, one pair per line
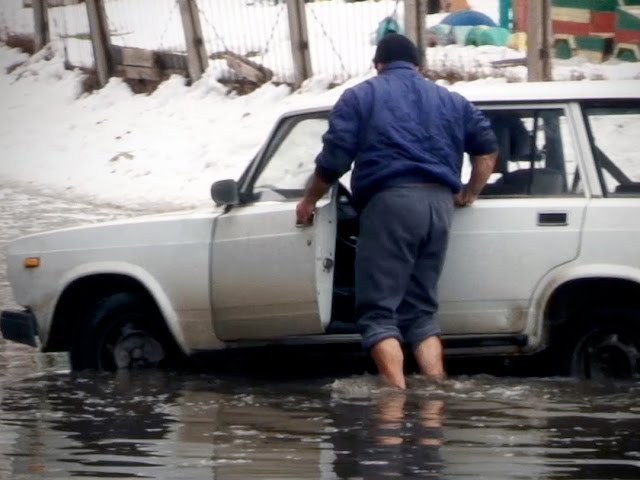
609, 347
122, 332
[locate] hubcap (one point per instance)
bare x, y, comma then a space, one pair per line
137, 350
608, 355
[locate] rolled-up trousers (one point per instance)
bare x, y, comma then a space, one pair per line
404, 233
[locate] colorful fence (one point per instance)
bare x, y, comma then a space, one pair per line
595, 29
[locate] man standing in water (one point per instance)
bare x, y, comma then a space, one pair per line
407, 137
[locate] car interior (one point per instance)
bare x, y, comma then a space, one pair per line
343, 306
524, 167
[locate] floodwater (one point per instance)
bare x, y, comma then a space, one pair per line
290, 417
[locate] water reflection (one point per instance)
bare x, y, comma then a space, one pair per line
66, 425
398, 435
192, 426
158, 425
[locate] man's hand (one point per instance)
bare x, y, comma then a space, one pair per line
315, 190
481, 169
305, 211
464, 198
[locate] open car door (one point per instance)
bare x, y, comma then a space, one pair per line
269, 277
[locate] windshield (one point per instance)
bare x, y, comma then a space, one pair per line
292, 163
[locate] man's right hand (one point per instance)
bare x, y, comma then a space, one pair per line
481, 169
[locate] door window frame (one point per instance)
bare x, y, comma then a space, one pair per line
575, 126
282, 129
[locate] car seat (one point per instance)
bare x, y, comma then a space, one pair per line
516, 145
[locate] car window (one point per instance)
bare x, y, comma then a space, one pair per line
537, 154
613, 130
290, 162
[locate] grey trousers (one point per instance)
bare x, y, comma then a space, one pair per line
404, 232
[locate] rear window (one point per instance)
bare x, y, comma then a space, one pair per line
614, 132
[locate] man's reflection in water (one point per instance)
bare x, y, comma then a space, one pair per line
400, 437
390, 417
431, 415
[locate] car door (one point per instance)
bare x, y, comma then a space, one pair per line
269, 277
527, 222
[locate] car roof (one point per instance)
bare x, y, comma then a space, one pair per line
492, 91
549, 91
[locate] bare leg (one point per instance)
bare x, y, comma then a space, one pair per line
430, 358
387, 354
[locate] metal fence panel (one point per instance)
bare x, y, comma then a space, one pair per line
148, 24
342, 35
69, 28
255, 29
14, 19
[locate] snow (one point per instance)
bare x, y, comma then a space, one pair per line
164, 150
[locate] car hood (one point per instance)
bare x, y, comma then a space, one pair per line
134, 231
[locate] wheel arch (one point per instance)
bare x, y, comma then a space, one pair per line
576, 291
85, 289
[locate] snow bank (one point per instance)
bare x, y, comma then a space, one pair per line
115, 147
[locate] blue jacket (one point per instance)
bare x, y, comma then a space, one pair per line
401, 129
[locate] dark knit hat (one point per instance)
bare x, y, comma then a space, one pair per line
395, 47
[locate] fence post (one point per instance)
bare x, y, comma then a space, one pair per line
416, 28
435, 6
41, 24
539, 40
100, 39
197, 58
299, 41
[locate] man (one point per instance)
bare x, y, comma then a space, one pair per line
407, 137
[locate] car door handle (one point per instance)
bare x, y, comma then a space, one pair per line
552, 219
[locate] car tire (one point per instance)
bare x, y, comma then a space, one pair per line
608, 347
122, 331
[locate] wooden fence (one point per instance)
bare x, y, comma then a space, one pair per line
204, 41
192, 58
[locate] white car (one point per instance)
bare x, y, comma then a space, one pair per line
548, 257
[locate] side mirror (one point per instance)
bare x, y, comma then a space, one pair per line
225, 192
